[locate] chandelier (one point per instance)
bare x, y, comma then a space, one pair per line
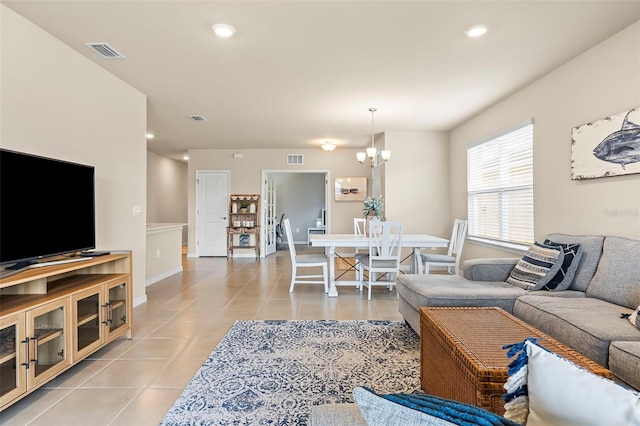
372, 151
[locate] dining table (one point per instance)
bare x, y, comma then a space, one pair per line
332, 241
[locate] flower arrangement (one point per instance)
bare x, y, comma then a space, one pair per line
373, 206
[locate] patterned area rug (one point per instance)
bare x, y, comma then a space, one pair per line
273, 372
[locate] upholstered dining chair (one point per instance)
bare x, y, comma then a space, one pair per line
451, 260
385, 246
306, 261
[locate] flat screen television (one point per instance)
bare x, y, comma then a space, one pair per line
47, 208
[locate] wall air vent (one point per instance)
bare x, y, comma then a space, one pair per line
295, 159
104, 50
197, 118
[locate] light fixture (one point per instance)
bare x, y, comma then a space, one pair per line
223, 30
476, 30
372, 151
150, 135
328, 146
185, 157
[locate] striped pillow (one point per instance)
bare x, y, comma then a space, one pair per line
539, 264
635, 317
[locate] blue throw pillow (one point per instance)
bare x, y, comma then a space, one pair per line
564, 277
421, 409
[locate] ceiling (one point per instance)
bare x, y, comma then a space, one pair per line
297, 73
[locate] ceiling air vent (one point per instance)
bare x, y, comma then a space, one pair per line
104, 50
295, 159
197, 118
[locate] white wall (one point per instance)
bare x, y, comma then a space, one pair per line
166, 191
603, 81
56, 103
301, 197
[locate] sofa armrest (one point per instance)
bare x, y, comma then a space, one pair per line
489, 269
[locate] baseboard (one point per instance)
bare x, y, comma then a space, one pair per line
162, 276
139, 300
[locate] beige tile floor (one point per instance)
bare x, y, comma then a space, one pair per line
134, 382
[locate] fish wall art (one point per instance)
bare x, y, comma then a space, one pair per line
606, 147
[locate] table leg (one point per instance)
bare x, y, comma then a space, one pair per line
333, 292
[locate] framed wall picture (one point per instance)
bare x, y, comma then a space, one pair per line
350, 188
606, 147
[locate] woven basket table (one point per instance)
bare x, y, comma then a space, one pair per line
461, 354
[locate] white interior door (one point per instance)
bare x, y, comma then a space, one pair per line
212, 209
270, 215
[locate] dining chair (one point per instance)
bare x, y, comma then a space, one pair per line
383, 257
305, 261
451, 260
359, 224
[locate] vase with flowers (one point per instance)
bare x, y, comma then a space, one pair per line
372, 211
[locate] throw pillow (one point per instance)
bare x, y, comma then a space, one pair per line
634, 318
420, 409
564, 277
539, 264
561, 393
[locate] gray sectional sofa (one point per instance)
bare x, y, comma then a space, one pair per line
588, 316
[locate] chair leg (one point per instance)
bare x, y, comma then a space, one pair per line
293, 278
369, 296
325, 278
425, 268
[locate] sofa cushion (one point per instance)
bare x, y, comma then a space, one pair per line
539, 264
420, 409
336, 414
564, 277
617, 278
585, 324
561, 393
437, 290
591, 251
624, 359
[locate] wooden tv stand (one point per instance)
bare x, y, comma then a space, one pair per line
52, 317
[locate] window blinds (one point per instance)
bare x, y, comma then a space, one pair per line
500, 187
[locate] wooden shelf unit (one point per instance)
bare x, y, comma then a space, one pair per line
243, 231
47, 326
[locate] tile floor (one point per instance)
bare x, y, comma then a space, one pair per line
134, 382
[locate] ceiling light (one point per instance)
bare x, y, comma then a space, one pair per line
223, 30
476, 31
328, 146
185, 157
372, 151
150, 135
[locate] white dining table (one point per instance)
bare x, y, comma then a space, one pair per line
333, 241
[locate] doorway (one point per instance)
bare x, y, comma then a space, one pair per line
301, 196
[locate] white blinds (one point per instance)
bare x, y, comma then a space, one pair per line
500, 187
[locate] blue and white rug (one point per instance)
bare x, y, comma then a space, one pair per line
273, 372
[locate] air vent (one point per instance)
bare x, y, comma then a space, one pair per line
197, 118
295, 159
104, 50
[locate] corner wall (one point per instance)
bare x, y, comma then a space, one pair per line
601, 82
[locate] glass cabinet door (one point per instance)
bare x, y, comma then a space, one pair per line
117, 307
47, 349
12, 346
87, 327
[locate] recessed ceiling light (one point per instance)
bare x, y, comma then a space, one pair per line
150, 135
476, 30
223, 30
186, 157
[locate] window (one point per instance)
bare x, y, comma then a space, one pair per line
500, 187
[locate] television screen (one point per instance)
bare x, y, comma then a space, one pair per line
47, 207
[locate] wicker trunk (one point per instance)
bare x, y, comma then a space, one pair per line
462, 356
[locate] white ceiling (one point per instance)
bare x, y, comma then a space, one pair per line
297, 73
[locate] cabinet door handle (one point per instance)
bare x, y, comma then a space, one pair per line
106, 314
26, 343
35, 350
